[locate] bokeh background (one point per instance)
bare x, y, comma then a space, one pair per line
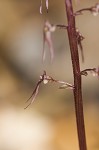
49, 123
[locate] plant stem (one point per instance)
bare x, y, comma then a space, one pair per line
77, 75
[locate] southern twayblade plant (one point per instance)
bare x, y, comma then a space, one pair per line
44, 78
75, 41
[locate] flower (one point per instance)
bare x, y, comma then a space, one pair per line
93, 71
46, 79
95, 9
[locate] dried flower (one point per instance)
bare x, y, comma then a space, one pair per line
48, 29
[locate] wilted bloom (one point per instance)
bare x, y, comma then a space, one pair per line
46, 2
48, 29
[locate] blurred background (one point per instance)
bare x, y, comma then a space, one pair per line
49, 123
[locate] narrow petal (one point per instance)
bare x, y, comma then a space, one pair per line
41, 7
47, 37
82, 52
34, 94
47, 5
43, 54
50, 44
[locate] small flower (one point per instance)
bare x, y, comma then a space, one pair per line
48, 29
46, 79
93, 71
66, 86
95, 9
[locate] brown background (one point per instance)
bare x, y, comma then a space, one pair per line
49, 123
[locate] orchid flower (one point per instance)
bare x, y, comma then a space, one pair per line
93, 71
94, 10
44, 78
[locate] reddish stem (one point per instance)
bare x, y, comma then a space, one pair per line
77, 75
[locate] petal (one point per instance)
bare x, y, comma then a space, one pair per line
47, 5
41, 7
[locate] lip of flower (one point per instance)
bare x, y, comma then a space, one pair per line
45, 81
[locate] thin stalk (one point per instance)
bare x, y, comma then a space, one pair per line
77, 75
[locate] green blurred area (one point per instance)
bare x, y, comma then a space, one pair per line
49, 123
